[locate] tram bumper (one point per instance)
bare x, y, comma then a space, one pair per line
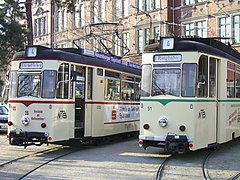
23, 138
176, 144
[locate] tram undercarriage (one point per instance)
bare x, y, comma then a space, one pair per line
25, 139
172, 144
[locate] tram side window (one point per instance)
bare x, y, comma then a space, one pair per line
212, 78
203, 77
49, 83
237, 84
72, 82
89, 83
230, 80
127, 90
63, 81
112, 86
13, 84
189, 80
137, 89
146, 80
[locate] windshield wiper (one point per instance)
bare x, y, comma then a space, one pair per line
161, 90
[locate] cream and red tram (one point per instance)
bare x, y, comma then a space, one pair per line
71, 94
190, 94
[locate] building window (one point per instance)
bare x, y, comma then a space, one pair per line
187, 2
76, 16
38, 2
146, 36
236, 21
225, 28
156, 33
125, 8
140, 4
201, 29
117, 46
103, 10
122, 8
118, 8
126, 42
95, 11
140, 40
40, 26
62, 20
59, 24
189, 29
147, 5
82, 14
198, 29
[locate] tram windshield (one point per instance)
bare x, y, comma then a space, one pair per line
36, 84
170, 81
166, 82
29, 85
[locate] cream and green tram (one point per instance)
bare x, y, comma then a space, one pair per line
67, 94
190, 94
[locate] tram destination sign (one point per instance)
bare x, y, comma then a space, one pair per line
167, 58
31, 65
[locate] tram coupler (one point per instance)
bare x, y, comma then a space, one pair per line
27, 138
176, 144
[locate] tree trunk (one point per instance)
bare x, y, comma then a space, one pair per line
28, 6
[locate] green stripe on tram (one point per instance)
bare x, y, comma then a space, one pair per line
167, 101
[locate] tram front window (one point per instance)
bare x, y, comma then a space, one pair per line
29, 85
166, 82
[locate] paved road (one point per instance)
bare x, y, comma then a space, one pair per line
122, 160
118, 160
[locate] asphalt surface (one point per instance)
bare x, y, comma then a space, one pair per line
119, 160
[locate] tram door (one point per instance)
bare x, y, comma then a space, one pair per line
79, 102
207, 89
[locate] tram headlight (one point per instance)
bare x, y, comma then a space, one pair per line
25, 120
163, 122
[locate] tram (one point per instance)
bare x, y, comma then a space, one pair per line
58, 95
190, 94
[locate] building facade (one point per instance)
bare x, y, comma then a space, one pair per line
124, 27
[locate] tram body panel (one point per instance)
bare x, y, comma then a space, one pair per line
58, 119
229, 123
109, 119
198, 118
88, 120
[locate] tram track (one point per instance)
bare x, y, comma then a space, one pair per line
204, 165
208, 164
219, 159
47, 162
25, 165
28, 155
161, 168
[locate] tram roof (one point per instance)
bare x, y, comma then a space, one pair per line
205, 45
76, 56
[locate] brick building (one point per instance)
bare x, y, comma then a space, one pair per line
125, 26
